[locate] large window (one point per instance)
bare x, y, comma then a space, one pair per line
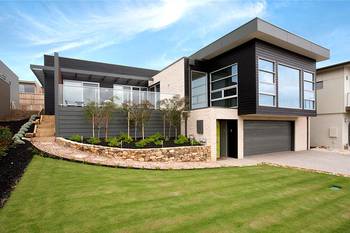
199, 90
267, 83
288, 87
309, 91
80, 93
223, 86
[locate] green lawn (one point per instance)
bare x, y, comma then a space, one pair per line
60, 196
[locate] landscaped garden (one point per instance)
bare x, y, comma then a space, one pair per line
61, 196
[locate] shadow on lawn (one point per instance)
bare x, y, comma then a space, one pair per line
13, 165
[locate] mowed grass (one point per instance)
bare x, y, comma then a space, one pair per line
60, 196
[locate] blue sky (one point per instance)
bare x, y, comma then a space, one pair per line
152, 34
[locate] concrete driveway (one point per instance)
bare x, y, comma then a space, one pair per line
330, 162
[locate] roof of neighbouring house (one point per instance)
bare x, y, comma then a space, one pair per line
337, 65
260, 29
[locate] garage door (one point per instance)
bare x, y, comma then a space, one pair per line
267, 136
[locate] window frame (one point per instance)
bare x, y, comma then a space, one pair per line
301, 85
224, 88
313, 82
206, 88
275, 74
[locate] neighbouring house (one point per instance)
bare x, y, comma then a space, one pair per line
250, 92
8, 90
331, 126
31, 96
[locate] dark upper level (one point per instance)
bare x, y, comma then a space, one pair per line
259, 68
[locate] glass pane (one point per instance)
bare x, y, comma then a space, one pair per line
267, 88
308, 77
265, 65
288, 87
229, 71
227, 103
216, 95
199, 90
118, 94
90, 92
308, 86
72, 92
266, 77
309, 95
126, 94
223, 83
230, 92
266, 100
105, 94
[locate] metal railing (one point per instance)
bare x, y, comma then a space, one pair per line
70, 95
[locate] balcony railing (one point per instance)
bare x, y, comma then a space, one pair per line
70, 95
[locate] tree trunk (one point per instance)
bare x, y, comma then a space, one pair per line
175, 131
143, 130
128, 124
106, 128
135, 130
93, 126
169, 130
164, 126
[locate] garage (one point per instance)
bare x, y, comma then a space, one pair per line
262, 137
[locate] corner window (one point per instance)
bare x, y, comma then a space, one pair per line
267, 83
223, 86
309, 91
199, 90
288, 87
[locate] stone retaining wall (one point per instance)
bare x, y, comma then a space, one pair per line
178, 154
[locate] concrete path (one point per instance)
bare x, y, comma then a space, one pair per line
322, 161
48, 145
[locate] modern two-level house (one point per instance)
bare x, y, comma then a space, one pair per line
331, 126
251, 91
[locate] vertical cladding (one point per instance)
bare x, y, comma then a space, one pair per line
244, 56
72, 120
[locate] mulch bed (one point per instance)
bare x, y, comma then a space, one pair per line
169, 143
13, 165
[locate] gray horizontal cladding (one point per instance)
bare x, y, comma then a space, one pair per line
267, 136
72, 120
99, 66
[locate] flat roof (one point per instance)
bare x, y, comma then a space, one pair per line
260, 29
346, 63
98, 70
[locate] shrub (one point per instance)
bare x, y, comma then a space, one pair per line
181, 140
194, 142
75, 138
94, 140
113, 142
141, 143
125, 138
5, 140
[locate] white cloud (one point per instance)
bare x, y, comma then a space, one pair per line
101, 27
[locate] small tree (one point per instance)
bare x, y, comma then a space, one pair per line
173, 109
144, 114
91, 111
126, 108
107, 108
165, 108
